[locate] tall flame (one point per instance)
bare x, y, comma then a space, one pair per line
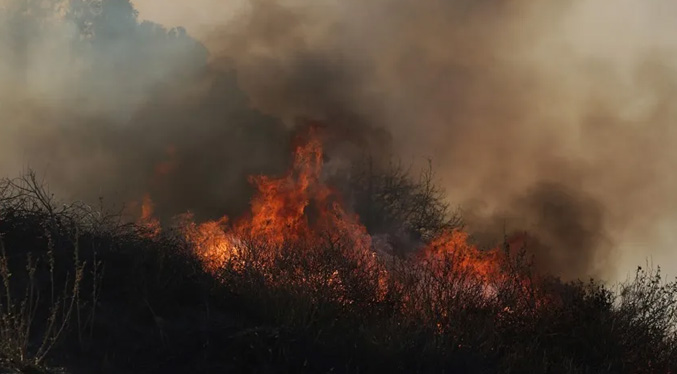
149, 225
453, 248
295, 211
299, 216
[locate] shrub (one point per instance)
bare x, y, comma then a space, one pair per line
305, 306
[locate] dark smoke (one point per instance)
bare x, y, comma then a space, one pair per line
564, 229
528, 110
552, 117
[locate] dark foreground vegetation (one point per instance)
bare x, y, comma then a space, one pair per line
82, 291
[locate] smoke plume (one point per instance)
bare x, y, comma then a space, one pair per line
104, 105
548, 117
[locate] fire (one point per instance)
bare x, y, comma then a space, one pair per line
295, 216
211, 240
146, 208
452, 250
299, 210
280, 211
298, 233
149, 225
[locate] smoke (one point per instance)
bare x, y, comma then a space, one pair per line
104, 105
550, 117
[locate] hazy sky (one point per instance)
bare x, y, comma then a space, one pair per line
197, 16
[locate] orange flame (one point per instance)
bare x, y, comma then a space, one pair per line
150, 226
453, 249
298, 214
211, 240
296, 211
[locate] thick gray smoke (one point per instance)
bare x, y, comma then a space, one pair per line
106, 106
552, 117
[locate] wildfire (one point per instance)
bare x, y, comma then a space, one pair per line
295, 216
214, 244
298, 232
149, 225
452, 251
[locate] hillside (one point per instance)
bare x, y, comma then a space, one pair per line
86, 292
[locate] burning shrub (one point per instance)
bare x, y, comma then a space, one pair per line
297, 235
297, 284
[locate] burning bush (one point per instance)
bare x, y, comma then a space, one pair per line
300, 241
297, 284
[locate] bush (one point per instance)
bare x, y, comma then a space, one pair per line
41, 293
409, 210
306, 306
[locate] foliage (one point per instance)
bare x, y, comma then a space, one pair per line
389, 200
